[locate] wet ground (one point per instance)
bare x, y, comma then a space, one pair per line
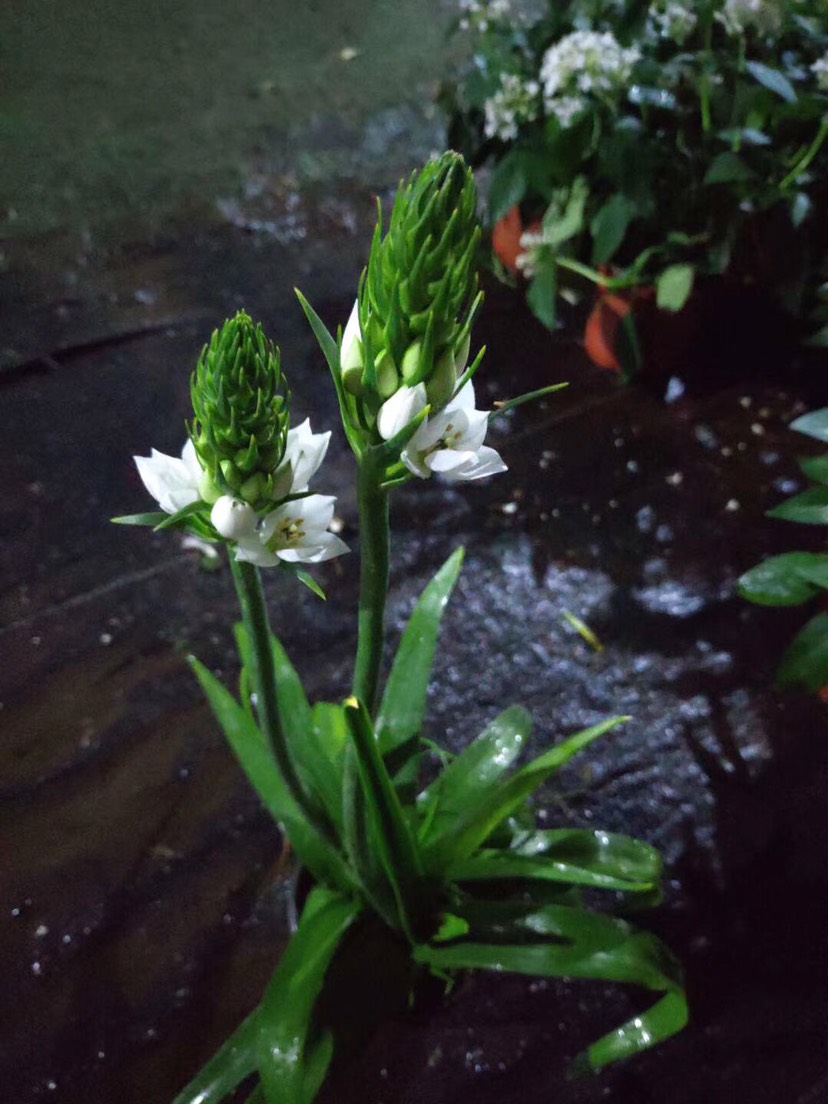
142, 899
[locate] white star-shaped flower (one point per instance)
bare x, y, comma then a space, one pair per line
171, 481
449, 443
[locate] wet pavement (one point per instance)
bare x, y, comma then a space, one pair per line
143, 900
143, 895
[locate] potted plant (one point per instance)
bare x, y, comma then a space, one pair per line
656, 143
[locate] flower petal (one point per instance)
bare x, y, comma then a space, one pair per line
326, 546
304, 452
463, 400
350, 353
233, 519
252, 550
170, 481
398, 411
446, 460
486, 461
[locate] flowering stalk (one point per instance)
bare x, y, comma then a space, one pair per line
375, 542
254, 612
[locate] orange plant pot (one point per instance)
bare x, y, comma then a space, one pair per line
506, 236
601, 330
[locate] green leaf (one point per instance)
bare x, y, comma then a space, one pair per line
673, 286
816, 468
330, 350
772, 79
542, 295
305, 578
810, 507
748, 135
806, 660
728, 168
404, 701
285, 1013
485, 810
818, 339
571, 942
814, 424
232, 1063
609, 227
391, 838
258, 762
508, 185
628, 348
579, 856
152, 519
170, 521
490, 865
559, 228
473, 774
317, 769
787, 580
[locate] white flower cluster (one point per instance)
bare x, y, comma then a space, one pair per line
295, 531
584, 63
765, 16
527, 260
667, 19
515, 102
820, 69
449, 443
477, 15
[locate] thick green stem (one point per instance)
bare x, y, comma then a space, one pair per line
254, 612
373, 590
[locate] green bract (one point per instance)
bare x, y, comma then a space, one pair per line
418, 294
242, 412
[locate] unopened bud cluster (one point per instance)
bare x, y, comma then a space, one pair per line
418, 295
242, 413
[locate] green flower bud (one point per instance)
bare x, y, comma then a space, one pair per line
242, 412
419, 293
440, 387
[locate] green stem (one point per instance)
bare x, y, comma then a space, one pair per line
704, 90
801, 165
373, 589
254, 613
609, 283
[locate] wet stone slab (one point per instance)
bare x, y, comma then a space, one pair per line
143, 890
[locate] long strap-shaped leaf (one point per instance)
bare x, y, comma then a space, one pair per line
290, 1072
476, 772
393, 839
314, 761
404, 701
473, 824
235, 1061
257, 761
491, 865
586, 945
576, 856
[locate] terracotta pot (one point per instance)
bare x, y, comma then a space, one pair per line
506, 236
601, 330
